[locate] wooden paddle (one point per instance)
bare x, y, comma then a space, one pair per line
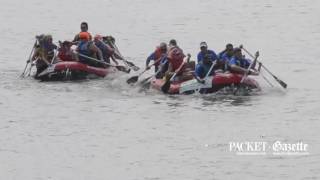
282, 83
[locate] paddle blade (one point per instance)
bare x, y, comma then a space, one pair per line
133, 66
133, 79
123, 69
283, 84
166, 86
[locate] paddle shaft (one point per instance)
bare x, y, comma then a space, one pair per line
262, 64
127, 63
96, 60
267, 80
157, 61
118, 52
52, 60
177, 71
147, 69
208, 73
283, 84
29, 59
248, 70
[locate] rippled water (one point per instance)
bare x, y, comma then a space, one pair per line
104, 129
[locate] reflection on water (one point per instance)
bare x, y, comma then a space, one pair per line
226, 99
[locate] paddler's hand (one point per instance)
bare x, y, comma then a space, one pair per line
257, 54
202, 81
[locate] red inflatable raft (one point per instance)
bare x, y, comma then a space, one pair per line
71, 70
219, 81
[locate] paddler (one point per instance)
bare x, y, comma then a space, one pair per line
65, 52
239, 64
44, 53
159, 56
224, 57
204, 51
84, 28
107, 51
203, 68
87, 49
176, 63
172, 44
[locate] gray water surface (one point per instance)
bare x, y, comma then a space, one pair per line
105, 129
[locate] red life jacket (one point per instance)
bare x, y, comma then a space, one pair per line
175, 57
65, 56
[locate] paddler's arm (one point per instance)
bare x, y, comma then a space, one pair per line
202, 81
170, 68
150, 57
43, 57
36, 54
111, 52
198, 73
255, 60
95, 49
238, 69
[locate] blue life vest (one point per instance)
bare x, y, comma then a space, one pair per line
83, 48
104, 49
244, 63
202, 70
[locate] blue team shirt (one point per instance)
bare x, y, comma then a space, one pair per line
224, 57
212, 54
244, 63
202, 70
152, 56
